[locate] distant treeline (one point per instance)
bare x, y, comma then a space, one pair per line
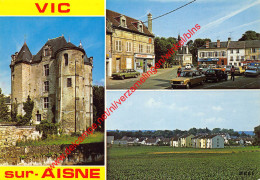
168, 133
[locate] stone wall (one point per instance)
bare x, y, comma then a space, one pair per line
85, 154
10, 134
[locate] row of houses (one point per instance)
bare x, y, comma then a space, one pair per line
236, 53
202, 140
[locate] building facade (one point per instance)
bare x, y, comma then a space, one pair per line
59, 81
252, 51
213, 53
236, 53
129, 43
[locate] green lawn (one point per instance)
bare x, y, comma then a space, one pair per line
65, 139
142, 162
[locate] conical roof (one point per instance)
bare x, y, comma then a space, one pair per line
24, 54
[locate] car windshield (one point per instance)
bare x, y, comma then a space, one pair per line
123, 71
211, 71
251, 68
186, 74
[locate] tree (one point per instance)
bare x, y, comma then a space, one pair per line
216, 130
257, 136
98, 105
4, 114
28, 108
250, 35
194, 45
161, 46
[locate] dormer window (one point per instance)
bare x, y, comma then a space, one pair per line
140, 27
123, 22
47, 51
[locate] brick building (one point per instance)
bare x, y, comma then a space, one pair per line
129, 43
59, 81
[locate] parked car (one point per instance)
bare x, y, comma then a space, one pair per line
188, 66
215, 75
228, 68
239, 70
187, 79
203, 68
221, 67
252, 71
125, 73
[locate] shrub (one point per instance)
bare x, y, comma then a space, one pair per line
47, 128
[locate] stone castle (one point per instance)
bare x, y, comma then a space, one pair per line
59, 81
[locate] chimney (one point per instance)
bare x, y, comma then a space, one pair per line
207, 44
150, 24
218, 43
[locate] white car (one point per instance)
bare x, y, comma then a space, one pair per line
188, 66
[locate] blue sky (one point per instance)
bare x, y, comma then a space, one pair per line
88, 30
217, 17
169, 110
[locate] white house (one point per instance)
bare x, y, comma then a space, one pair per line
110, 139
174, 142
214, 141
236, 53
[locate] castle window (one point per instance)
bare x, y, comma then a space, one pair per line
46, 52
39, 117
46, 70
66, 58
46, 102
46, 86
69, 82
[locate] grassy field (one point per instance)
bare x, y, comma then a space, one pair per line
158, 162
65, 139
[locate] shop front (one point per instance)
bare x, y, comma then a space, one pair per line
143, 62
217, 61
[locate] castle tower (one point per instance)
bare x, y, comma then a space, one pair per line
20, 77
59, 81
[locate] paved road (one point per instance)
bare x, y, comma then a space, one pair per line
240, 82
162, 81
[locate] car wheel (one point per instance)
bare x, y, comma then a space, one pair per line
202, 82
123, 77
135, 76
217, 80
173, 87
188, 86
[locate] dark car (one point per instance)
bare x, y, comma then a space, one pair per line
125, 73
215, 75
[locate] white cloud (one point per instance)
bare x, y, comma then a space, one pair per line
213, 119
227, 16
199, 114
217, 108
153, 103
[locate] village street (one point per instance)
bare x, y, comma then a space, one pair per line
161, 80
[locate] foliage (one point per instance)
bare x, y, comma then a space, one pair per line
47, 128
98, 105
257, 135
250, 35
194, 45
168, 133
140, 162
4, 114
14, 112
28, 108
162, 45
62, 139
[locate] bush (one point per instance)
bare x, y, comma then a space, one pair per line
47, 128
